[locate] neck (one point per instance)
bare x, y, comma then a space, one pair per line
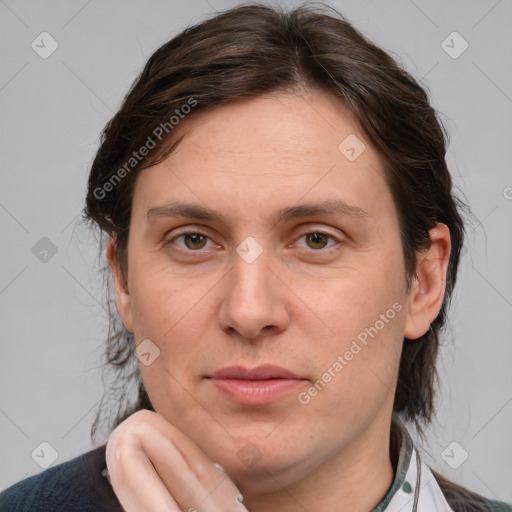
355, 479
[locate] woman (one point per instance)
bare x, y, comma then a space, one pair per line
284, 241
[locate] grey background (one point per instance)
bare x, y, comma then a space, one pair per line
52, 112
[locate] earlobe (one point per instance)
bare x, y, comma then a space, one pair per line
428, 288
123, 302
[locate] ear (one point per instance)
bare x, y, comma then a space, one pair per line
122, 295
427, 290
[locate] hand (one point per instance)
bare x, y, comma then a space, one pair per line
154, 467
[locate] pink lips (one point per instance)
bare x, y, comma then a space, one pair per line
258, 386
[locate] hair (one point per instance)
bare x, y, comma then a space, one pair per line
253, 50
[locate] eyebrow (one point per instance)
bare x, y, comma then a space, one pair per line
196, 211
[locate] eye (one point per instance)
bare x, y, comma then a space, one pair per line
192, 240
318, 239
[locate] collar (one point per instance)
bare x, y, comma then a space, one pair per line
414, 488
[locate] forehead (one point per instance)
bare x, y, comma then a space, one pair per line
288, 127
267, 151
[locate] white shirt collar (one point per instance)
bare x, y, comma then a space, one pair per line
414, 488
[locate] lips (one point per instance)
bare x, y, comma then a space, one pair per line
258, 386
264, 372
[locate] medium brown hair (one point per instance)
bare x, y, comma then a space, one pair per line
253, 50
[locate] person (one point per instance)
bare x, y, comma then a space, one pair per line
283, 238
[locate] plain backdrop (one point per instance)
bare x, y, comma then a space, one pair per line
52, 112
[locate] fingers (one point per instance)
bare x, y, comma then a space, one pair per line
153, 449
134, 479
197, 485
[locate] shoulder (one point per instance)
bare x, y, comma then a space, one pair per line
461, 499
73, 485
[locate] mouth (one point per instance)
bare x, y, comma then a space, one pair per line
258, 386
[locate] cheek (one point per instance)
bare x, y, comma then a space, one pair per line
357, 360
163, 303
169, 314
351, 304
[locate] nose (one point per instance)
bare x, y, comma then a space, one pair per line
255, 300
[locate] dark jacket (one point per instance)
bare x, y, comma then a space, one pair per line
73, 486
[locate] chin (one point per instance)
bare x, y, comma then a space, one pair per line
264, 466
268, 477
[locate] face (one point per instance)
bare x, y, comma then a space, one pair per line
247, 279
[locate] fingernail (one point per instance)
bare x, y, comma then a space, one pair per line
219, 468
